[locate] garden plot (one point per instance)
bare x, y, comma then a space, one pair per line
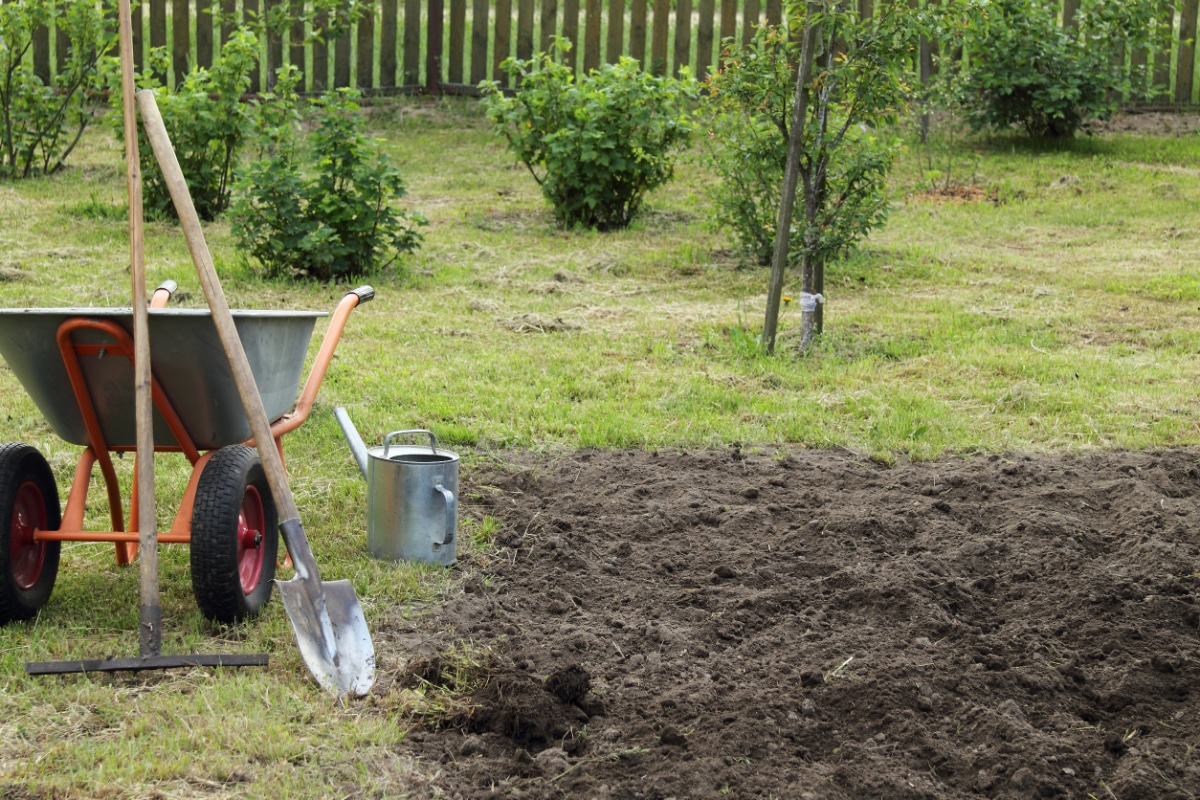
811, 624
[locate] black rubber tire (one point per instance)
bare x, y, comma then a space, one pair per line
28, 499
232, 490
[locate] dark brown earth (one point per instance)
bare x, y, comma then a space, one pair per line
818, 625
1151, 123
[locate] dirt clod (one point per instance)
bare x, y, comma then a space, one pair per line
569, 685
515, 704
671, 737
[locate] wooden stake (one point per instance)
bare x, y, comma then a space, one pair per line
791, 177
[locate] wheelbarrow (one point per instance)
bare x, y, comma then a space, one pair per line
77, 366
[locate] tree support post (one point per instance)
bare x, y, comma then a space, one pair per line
791, 176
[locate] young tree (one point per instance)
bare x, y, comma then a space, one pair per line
824, 93
41, 122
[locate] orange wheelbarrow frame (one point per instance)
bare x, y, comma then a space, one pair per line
180, 532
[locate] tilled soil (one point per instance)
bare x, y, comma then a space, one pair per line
817, 625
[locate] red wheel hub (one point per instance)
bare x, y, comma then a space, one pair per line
251, 522
25, 555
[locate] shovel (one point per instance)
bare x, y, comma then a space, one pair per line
329, 623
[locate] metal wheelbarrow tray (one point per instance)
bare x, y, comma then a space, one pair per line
77, 366
187, 361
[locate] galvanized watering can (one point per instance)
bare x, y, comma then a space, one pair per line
412, 496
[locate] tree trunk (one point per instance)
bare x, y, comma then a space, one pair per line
791, 173
811, 276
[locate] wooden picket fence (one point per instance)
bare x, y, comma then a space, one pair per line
435, 46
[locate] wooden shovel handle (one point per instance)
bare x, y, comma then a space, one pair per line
260, 426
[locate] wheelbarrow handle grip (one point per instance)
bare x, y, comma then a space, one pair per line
365, 294
162, 295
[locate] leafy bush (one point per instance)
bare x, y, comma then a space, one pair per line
340, 223
209, 125
844, 162
1029, 71
595, 145
40, 123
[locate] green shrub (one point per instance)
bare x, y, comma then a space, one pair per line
339, 223
1026, 70
209, 125
41, 123
595, 145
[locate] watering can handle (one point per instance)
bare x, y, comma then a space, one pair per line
451, 510
387, 442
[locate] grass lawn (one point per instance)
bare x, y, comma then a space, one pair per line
1056, 307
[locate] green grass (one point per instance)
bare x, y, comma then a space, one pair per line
1064, 316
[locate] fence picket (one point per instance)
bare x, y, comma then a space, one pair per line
570, 32
774, 12
683, 35
1069, 9
549, 24
728, 20
412, 42
503, 48
320, 54
274, 44
524, 29
616, 31
591, 35
296, 49
62, 43
342, 48
1137, 70
204, 33
41, 53
229, 12
704, 39
750, 21
479, 41
388, 19
139, 35
1185, 65
365, 62
658, 34
1162, 88
434, 45
180, 45
158, 30
637, 32
458, 35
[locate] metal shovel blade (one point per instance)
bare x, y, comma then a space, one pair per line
331, 630
334, 641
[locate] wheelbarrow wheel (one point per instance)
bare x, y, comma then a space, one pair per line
28, 502
235, 536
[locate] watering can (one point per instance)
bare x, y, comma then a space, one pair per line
412, 496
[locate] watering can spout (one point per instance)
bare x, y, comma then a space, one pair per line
357, 446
